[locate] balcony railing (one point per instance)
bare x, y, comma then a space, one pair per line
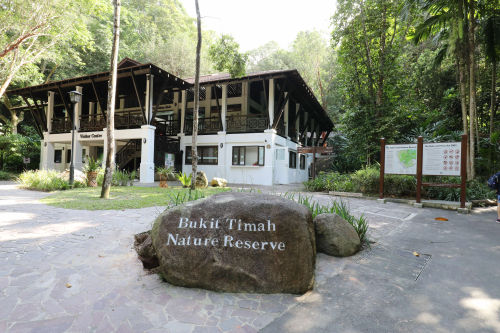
129, 119
168, 127
205, 126
61, 125
89, 123
246, 124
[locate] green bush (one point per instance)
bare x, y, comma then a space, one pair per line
43, 180
5, 175
475, 190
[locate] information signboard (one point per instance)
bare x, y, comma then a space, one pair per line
401, 159
442, 159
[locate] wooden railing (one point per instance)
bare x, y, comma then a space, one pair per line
129, 119
61, 125
168, 127
89, 123
246, 124
205, 126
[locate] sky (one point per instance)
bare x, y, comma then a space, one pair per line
255, 22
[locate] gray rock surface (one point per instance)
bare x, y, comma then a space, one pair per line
335, 236
144, 246
237, 242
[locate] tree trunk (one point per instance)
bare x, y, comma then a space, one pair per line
194, 150
493, 101
462, 75
472, 87
5, 84
110, 123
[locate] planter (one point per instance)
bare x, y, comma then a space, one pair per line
163, 181
92, 178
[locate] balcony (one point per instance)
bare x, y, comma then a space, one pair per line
92, 123
246, 124
205, 126
61, 125
168, 127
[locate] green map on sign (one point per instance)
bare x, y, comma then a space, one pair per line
407, 157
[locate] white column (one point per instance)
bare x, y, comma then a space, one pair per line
222, 156
149, 97
105, 147
50, 110
47, 154
285, 115
224, 107
78, 110
183, 110
297, 122
91, 111
271, 102
147, 168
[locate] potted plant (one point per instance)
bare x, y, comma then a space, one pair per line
163, 173
91, 170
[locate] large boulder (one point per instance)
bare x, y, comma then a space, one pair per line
218, 182
237, 242
201, 180
335, 236
144, 246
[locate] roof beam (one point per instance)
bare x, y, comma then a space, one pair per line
132, 75
37, 121
103, 109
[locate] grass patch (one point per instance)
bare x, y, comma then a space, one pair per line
126, 197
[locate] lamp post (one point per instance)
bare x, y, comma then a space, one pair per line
74, 97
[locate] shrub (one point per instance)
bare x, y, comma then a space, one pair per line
43, 180
5, 175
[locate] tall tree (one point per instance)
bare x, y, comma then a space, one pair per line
225, 54
110, 122
194, 150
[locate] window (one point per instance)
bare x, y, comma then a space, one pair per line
248, 155
207, 155
68, 156
302, 162
190, 94
293, 160
57, 156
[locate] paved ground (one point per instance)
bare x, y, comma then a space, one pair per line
452, 286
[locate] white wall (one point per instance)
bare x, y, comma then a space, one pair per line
248, 174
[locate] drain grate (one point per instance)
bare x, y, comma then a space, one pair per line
395, 262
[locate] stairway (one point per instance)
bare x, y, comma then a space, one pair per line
128, 152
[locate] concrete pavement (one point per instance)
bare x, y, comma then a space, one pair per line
75, 271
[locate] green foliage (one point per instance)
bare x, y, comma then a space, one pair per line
184, 179
339, 208
178, 198
42, 180
92, 165
5, 175
164, 172
226, 56
13, 147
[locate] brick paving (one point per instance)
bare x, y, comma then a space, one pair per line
76, 271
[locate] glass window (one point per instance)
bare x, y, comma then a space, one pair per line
234, 90
302, 162
248, 155
57, 156
293, 160
207, 155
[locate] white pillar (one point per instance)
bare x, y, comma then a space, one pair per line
91, 111
271, 103
222, 156
297, 121
147, 168
149, 98
224, 107
78, 110
46, 154
50, 110
285, 116
183, 110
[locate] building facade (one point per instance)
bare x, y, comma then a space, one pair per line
249, 128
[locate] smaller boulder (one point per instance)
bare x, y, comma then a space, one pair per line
201, 180
144, 247
335, 236
218, 182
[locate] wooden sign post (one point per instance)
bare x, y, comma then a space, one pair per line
432, 159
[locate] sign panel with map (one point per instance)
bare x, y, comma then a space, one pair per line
442, 159
401, 159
